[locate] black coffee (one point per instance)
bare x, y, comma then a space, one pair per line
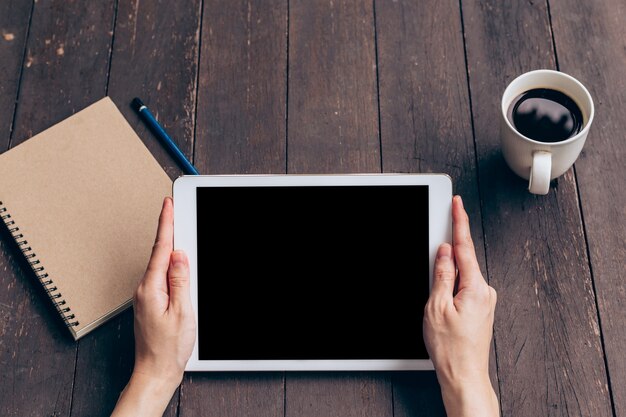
545, 115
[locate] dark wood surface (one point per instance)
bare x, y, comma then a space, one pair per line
299, 86
548, 344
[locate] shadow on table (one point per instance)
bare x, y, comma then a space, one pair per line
417, 394
497, 177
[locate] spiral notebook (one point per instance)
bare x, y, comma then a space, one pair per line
81, 200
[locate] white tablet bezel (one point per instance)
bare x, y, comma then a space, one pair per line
184, 194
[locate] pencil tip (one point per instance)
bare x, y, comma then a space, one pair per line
137, 103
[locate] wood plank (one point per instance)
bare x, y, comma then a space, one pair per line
590, 45
417, 394
64, 71
154, 56
338, 394
240, 129
14, 24
256, 394
547, 341
103, 365
426, 124
333, 128
333, 116
66, 63
242, 88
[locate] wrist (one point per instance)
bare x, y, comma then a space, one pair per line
145, 395
470, 397
155, 385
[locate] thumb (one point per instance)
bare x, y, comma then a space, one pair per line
178, 280
444, 274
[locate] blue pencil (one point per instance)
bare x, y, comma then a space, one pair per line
158, 130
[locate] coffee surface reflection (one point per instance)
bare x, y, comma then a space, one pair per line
545, 115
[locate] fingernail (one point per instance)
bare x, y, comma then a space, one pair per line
444, 251
179, 259
459, 199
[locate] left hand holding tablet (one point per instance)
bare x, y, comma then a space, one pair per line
165, 327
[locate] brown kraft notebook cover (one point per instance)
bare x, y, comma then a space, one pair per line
82, 199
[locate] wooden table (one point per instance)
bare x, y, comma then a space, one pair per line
341, 87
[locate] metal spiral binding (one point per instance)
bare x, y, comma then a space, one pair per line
37, 268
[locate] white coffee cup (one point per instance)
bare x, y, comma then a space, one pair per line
541, 162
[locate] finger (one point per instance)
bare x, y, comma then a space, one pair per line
444, 275
163, 245
178, 281
464, 251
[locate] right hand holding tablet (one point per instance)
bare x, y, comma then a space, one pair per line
458, 325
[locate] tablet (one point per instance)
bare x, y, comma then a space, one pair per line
311, 272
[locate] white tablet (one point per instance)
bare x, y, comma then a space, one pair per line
311, 272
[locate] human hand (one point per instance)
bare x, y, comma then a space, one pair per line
165, 328
458, 324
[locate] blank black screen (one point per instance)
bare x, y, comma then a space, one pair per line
312, 272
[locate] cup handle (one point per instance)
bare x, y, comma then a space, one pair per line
539, 182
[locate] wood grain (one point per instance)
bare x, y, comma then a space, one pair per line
242, 88
550, 359
240, 129
417, 394
65, 70
591, 46
14, 25
154, 57
337, 394
290, 86
333, 128
425, 116
333, 116
103, 365
257, 394
66, 63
